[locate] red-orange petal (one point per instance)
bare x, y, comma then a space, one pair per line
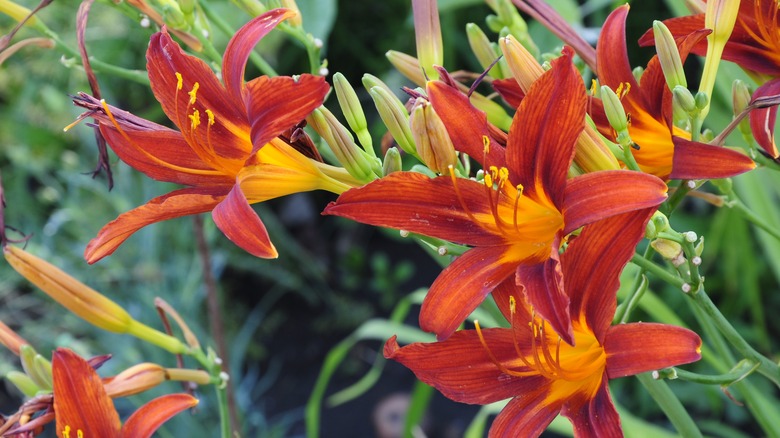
175, 204
693, 160
527, 415
241, 45
229, 135
594, 417
593, 262
461, 369
413, 202
509, 90
462, 286
640, 347
762, 120
80, 402
595, 196
276, 104
239, 222
149, 417
544, 130
543, 287
466, 125
612, 52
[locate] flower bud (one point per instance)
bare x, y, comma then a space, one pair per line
395, 118
10, 339
297, 19
430, 135
408, 66
616, 114
342, 144
353, 112
392, 162
740, 96
33, 367
720, 16
17, 12
483, 49
668, 56
134, 380
669, 250
23, 383
523, 65
427, 32
684, 98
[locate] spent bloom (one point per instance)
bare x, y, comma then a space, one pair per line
530, 364
234, 145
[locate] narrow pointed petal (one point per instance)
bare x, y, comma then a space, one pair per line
640, 347
80, 402
593, 262
175, 204
466, 125
163, 155
693, 160
149, 417
509, 90
229, 136
543, 287
762, 120
276, 104
461, 369
241, 45
612, 52
527, 415
239, 222
598, 195
413, 202
462, 286
679, 26
545, 129
595, 417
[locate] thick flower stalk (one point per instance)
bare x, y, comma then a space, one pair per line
517, 217
233, 146
529, 363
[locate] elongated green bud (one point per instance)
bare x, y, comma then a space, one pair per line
668, 56
483, 49
408, 66
740, 96
395, 117
427, 32
684, 98
523, 65
430, 135
36, 372
614, 109
342, 144
353, 112
392, 162
24, 383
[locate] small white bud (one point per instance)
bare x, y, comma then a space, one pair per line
145, 22
696, 261
690, 236
218, 360
318, 43
323, 71
656, 375
691, 184
404, 233
442, 251
686, 287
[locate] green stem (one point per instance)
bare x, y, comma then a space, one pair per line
312, 51
748, 214
658, 271
767, 367
670, 404
742, 370
224, 415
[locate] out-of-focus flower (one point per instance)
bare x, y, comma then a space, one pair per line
10, 339
233, 147
83, 409
529, 363
515, 218
664, 150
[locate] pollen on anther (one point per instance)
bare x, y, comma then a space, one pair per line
211, 116
486, 143
512, 304
179, 81
194, 93
195, 119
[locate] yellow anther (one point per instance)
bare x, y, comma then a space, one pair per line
503, 174
623, 89
195, 119
194, 93
488, 180
80, 433
519, 190
486, 143
594, 86
66, 432
512, 304
179, 81
211, 116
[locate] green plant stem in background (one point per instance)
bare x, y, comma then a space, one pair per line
737, 205
739, 372
671, 405
224, 415
421, 398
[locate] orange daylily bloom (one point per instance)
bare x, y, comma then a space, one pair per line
517, 217
230, 147
529, 363
82, 407
754, 45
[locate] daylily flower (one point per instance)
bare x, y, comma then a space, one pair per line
754, 45
664, 150
529, 363
517, 217
231, 147
82, 407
